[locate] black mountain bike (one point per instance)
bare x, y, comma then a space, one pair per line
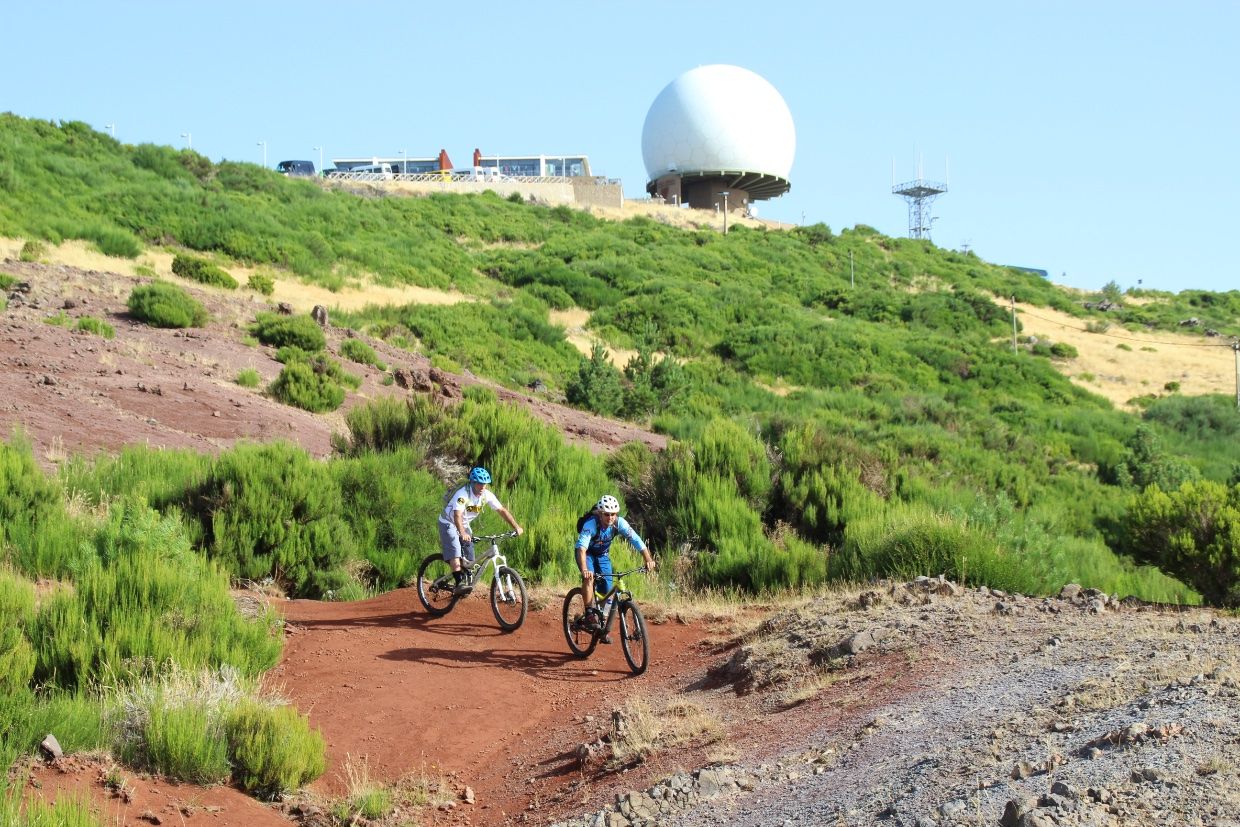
437, 586
633, 639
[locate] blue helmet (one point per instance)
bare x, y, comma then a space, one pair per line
480, 474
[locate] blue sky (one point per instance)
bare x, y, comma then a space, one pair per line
1096, 140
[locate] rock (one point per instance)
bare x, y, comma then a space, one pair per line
1014, 811
468, 795
319, 314
51, 748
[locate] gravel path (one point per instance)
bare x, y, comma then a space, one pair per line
1072, 711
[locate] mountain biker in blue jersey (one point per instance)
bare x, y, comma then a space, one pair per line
595, 534
461, 508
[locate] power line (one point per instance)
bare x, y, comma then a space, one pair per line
1117, 336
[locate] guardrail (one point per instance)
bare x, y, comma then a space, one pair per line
466, 178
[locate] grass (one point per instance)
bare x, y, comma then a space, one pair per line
366, 798
248, 378
644, 730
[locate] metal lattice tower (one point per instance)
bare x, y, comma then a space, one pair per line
919, 194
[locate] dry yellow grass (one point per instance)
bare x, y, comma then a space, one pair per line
574, 323
1121, 364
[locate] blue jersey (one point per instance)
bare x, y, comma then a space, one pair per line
597, 541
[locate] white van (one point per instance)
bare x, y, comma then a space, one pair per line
383, 171
477, 174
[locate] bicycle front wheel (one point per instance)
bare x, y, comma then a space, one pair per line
581, 641
508, 599
633, 638
435, 585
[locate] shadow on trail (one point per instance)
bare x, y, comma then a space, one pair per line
558, 666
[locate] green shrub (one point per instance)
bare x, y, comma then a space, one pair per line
1171, 387
302, 387
7, 281
32, 250
1148, 463
113, 241
162, 304
1193, 533
272, 511
360, 352
142, 599
279, 331
597, 384
18, 810
180, 742
913, 541
273, 749
248, 378
60, 318
92, 325
202, 271
1063, 350
262, 283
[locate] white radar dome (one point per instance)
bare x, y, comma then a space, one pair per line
718, 117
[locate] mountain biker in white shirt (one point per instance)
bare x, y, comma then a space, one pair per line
594, 538
462, 507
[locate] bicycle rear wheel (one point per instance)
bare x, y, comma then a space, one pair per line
435, 585
581, 641
633, 638
508, 599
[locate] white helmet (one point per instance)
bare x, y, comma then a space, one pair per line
607, 504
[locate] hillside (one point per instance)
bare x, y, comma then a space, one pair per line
908, 572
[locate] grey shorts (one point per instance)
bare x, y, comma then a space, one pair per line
451, 545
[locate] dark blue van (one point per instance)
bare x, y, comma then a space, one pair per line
298, 168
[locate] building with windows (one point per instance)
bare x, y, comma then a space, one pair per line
510, 166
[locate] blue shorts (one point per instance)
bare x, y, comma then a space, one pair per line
451, 545
600, 565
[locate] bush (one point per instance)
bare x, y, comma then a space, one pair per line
90, 324
279, 331
165, 305
261, 283
1063, 350
1192, 533
274, 751
144, 598
248, 378
203, 271
302, 387
272, 511
32, 251
360, 352
597, 384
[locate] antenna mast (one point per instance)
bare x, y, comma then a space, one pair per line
919, 194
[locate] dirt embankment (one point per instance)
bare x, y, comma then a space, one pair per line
74, 392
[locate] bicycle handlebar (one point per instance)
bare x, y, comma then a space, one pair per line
503, 536
619, 574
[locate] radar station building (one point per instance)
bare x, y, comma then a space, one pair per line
718, 137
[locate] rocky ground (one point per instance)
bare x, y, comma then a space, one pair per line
1011, 710
901, 703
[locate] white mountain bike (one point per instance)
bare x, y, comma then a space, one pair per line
437, 586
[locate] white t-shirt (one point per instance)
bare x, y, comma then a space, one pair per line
464, 501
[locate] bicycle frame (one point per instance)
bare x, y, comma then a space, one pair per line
492, 558
619, 592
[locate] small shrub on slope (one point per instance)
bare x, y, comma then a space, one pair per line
165, 305
202, 271
279, 331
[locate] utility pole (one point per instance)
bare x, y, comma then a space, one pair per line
1013, 324
1235, 346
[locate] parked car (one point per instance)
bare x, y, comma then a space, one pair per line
296, 168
